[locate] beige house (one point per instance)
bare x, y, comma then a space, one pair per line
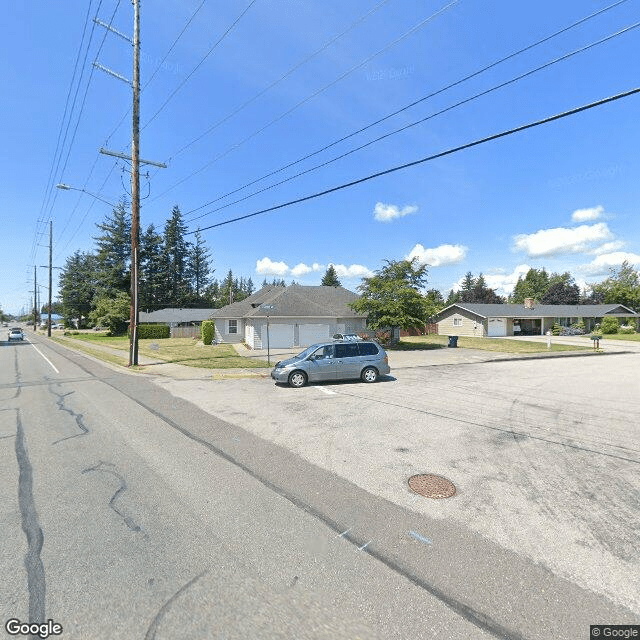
495, 320
293, 316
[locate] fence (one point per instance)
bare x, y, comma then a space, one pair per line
185, 332
427, 329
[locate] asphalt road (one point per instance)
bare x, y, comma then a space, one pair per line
130, 512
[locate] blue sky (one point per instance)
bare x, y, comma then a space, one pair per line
563, 196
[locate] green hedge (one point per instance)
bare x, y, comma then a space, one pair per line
609, 324
156, 331
207, 331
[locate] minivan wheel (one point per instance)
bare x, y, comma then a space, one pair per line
298, 379
370, 374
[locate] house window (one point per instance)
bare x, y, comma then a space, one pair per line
233, 326
457, 322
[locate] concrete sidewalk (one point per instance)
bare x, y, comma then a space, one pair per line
398, 360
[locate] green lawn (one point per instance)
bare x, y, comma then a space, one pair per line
486, 344
186, 351
634, 337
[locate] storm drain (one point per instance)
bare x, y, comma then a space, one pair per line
432, 486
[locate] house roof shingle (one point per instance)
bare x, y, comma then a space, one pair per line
175, 315
293, 301
544, 310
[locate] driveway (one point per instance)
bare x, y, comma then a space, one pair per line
543, 453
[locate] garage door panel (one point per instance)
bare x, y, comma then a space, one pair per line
280, 336
497, 327
312, 333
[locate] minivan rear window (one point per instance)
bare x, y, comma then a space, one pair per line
367, 349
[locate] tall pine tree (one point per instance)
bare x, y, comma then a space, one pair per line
114, 252
198, 267
175, 268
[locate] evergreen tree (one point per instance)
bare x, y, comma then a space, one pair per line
330, 278
151, 294
78, 287
114, 252
176, 274
534, 285
392, 297
199, 266
249, 287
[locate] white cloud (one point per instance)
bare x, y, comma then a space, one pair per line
388, 212
561, 240
268, 267
353, 271
600, 266
587, 215
609, 247
503, 283
302, 269
438, 256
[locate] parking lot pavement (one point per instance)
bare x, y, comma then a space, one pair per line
544, 453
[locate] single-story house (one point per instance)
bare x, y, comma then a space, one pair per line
293, 316
530, 318
44, 319
183, 322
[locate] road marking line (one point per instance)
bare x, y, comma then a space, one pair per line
45, 357
417, 536
364, 546
347, 531
327, 391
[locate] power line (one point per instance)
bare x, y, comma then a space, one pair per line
79, 117
153, 75
59, 147
281, 78
66, 104
413, 104
422, 120
313, 95
222, 37
475, 143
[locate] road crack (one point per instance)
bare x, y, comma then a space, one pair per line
78, 417
109, 467
35, 537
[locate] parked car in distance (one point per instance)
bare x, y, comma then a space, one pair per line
57, 326
16, 334
346, 336
338, 360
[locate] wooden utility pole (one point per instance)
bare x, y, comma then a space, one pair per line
135, 187
35, 297
50, 271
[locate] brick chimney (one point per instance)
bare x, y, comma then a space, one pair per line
529, 303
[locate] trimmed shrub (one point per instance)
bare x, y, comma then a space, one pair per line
556, 329
156, 331
626, 329
207, 331
609, 325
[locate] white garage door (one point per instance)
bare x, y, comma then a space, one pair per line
497, 327
280, 336
312, 333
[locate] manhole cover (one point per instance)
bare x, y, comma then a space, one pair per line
432, 486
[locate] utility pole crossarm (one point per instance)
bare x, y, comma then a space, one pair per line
108, 27
124, 156
97, 65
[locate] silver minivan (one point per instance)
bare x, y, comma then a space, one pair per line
338, 360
